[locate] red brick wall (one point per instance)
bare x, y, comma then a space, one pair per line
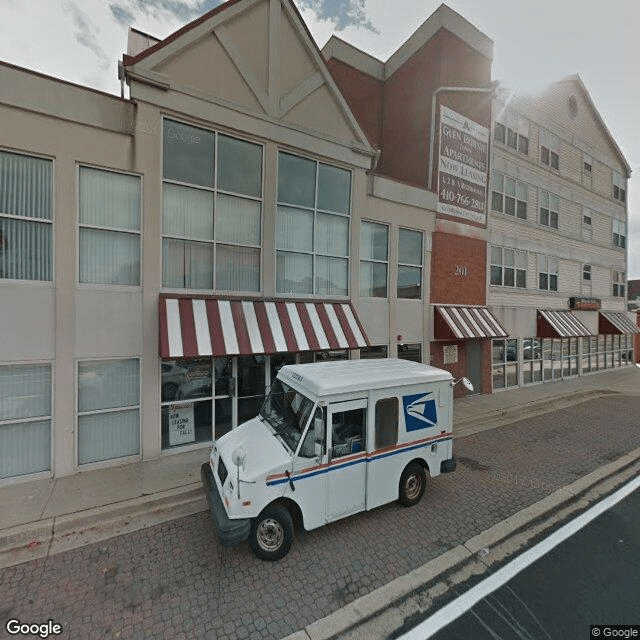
363, 95
459, 369
449, 252
445, 60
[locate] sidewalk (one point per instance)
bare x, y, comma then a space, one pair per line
43, 517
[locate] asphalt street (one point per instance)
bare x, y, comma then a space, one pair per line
592, 578
175, 581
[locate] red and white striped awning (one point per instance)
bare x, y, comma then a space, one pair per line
560, 324
617, 323
467, 323
192, 327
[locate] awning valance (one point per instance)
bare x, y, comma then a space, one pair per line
466, 323
191, 327
560, 324
616, 323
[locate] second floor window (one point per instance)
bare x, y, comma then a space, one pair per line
409, 264
619, 233
374, 241
512, 130
312, 227
508, 267
586, 272
110, 215
547, 273
509, 195
212, 210
549, 149
26, 217
587, 225
549, 209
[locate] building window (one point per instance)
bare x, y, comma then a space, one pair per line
409, 264
26, 217
411, 352
508, 267
509, 196
619, 187
108, 409
25, 419
374, 242
549, 209
547, 273
531, 360
586, 272
587, 164
618, 284
110, 214
504, 355
312, 227
371, 353
549, 149
386, 422
619, 233
587, 226
512, 130
212, 210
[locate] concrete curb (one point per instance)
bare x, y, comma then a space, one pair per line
46, 537
472, 557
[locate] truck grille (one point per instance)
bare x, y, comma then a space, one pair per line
222, 471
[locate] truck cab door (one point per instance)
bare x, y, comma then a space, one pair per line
346, 479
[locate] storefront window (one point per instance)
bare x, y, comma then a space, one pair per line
373, 352
504, 356
532, 360
547, 361
327, 356
251, 380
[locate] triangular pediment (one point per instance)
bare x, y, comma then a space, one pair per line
256, 55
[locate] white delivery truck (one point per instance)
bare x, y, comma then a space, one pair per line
332, 439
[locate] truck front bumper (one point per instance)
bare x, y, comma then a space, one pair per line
447, 466
230, 532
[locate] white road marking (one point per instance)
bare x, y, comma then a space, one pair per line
462, 604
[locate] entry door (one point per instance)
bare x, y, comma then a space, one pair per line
474, 364
347, 477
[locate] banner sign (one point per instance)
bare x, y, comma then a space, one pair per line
181, 424
462, 167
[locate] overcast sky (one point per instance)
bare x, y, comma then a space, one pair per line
536, 42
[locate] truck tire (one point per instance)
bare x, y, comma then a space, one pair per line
271, 533
413, 482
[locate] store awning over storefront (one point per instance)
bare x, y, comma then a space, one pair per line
616, 323
192, 327
560, 324
466, 323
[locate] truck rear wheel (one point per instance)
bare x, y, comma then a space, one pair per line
271, 533
413, 482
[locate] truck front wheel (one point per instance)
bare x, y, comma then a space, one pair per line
412, 484
271, 533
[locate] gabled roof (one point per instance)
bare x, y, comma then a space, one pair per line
578, 80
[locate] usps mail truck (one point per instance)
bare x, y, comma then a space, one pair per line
332, 439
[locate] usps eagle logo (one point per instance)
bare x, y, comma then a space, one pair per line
420, 411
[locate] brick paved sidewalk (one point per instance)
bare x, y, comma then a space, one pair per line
175, 581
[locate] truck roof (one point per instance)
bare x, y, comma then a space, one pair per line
344, 376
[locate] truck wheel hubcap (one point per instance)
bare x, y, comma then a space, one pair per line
270, 534
414, 483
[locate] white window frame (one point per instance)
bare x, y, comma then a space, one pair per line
315, 211
374, 261
83, 225
11, 216
516, 131
619, 191
79, 414
552, 209
587, 164
549, 143
215, 191
520, 188
47, 473
587, 225
619, 233
586, 272
408, 264
517, 253
619, 284
546, 265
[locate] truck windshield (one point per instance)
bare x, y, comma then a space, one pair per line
287, 411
